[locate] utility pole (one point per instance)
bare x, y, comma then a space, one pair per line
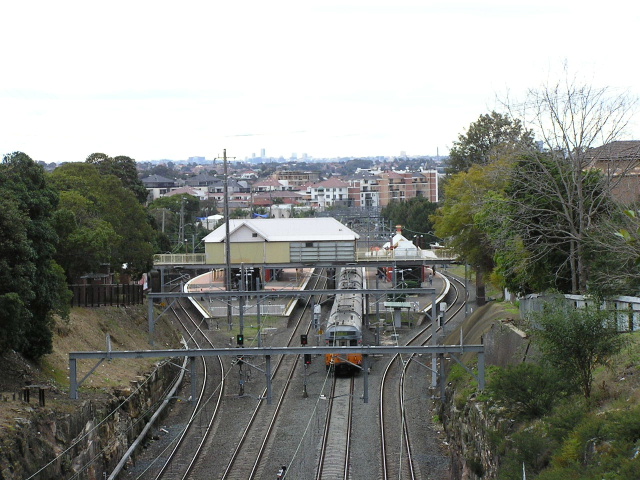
227, 243
181, 229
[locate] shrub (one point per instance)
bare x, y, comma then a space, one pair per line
529, 447
601, 446
527, 390
566, 415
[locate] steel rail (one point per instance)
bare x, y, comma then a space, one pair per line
405, 367
335, 451
194, 455
241, 443
404, 432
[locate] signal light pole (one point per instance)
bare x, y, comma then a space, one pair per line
307, 362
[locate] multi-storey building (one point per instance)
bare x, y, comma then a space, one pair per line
363, 190
407, 185
328, 193
294, 179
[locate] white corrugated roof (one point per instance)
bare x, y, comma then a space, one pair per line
288, 230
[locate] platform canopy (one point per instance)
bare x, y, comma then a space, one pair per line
283, 230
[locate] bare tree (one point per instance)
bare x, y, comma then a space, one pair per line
571, 119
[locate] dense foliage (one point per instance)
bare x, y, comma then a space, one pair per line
414, 216
32, 284
576, 340
536, 215
124, 168
100, 222
571, 436
491, 136
528, 390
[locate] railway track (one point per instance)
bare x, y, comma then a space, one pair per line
395, 426
189, 438
336, 440
246, 462
244, 445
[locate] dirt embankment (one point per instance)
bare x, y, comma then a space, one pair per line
86, 330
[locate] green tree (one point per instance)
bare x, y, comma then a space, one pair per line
571, 118
491, 136
167, 213
464, 197
239, 213
176, 203
529, 228
16, 258
415, 217
104, 212
87, 238
122, 167
576, 340
167, 171
32, 285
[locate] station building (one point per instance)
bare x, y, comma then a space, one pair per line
264, 241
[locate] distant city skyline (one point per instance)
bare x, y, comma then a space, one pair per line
328, 78
204, 160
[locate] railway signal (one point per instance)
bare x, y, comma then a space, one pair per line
307, 359
303, 339
240, 339
281, 472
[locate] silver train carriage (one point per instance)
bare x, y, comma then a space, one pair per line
344, 326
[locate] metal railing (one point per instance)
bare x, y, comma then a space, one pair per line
180, 259
221, 311
422, 255
363, 255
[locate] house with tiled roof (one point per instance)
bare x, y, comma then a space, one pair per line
157, 186
620, 163
288, 197
200, 193
248, 175
267, 185
202, 180
330, 192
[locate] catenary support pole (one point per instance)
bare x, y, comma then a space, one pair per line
192, 371
267, 373
73, 379
151, 321
365, 377
434, 340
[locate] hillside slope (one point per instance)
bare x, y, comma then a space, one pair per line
593, 439
86, 330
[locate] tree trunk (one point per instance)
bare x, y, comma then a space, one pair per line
481, 296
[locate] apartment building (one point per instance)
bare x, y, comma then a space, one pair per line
402, 186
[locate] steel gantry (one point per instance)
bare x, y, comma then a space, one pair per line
268, 352
260, 295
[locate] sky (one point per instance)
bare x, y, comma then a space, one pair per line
171, 80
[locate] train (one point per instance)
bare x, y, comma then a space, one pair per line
344, 325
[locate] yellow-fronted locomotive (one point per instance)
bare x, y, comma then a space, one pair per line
344, 326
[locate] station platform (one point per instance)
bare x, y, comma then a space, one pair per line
272, 302
275, 304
